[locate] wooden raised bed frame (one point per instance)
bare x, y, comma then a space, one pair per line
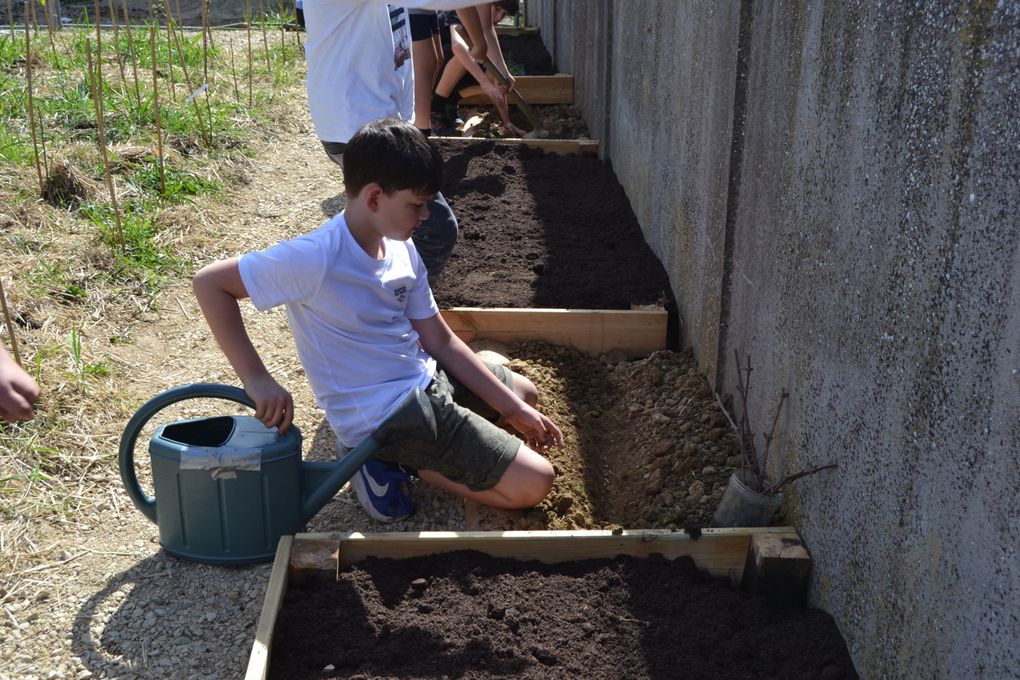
561, 147
555, 89
721, 552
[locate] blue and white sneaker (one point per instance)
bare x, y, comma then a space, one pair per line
384, 490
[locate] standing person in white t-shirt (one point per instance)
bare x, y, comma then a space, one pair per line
368, 331
358, 54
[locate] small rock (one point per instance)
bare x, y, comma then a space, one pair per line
419, 583
707, 470
84, 675
328, 668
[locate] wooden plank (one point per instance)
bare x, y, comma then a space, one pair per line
595, 331
561, 147
777, 567
720, 552
258, 662
555, 89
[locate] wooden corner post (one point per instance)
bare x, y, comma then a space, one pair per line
778, 566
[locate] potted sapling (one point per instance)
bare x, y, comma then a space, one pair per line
751, 497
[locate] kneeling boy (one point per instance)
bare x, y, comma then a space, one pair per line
368, 331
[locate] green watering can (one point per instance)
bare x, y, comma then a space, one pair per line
227, 487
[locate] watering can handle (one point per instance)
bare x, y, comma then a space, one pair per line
147, 504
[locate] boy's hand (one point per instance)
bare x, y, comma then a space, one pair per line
538, 431
18, 391
274, 406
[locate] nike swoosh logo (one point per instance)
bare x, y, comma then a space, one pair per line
377, 489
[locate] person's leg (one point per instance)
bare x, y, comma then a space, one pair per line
423, 25
436, 237
529, 476
526, 481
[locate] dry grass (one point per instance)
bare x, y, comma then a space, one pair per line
79, 313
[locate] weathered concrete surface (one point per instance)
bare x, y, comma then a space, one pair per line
872, 267
876, 274
655, 82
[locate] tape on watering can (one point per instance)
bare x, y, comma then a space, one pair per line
223, 462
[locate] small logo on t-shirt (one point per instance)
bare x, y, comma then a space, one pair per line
400, 293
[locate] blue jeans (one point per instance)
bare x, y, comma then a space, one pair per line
436, 236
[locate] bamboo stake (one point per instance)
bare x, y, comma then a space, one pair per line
155, 106
247, 23
10, 324
10, 18
134, 55
265, 37
31, 103
233, 70
205, 62
96, 82
48, 16
187, 81
35, 19
208, 26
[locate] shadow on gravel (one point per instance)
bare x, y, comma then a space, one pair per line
166, 617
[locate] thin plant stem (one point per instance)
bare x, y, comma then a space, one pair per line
10, 324
134, 55
283, 38
187, 81
155, 107
794, 477
247, 23
35, 19
116, 41
170, 60
771, 434
96, 80
31, 103
10, 18
233, 71
205, 42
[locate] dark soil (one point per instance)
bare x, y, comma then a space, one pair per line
542, 230
468, 615
528, 52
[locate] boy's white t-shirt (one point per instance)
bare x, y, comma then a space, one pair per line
350, 316
358, 54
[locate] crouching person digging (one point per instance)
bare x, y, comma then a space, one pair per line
368, 331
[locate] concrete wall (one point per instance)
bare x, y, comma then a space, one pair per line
848, 215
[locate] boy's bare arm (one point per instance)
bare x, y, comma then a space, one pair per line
438, 340
218, 287
472, 20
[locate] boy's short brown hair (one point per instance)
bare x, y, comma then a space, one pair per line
394, 155
511, 7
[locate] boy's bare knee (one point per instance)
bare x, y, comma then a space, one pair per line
532, 479
525, 389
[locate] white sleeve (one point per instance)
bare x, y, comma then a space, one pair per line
420, 302
290, 271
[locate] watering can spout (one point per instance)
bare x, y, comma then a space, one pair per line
412, 420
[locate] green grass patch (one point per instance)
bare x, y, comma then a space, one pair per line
178, 185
